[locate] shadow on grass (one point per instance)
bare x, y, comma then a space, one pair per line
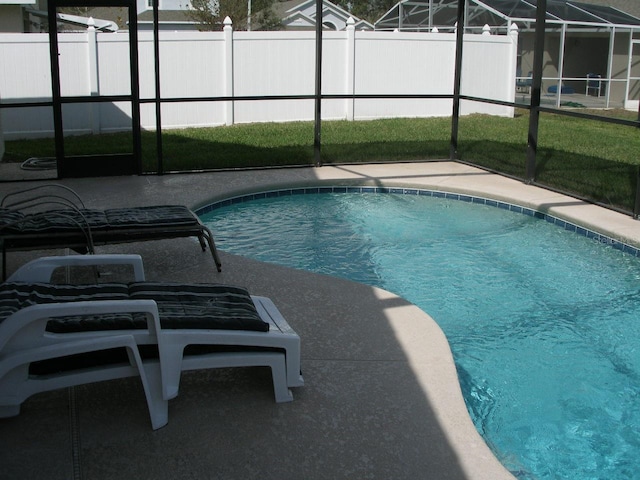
591, 178
586, 176
211, 155
197, 154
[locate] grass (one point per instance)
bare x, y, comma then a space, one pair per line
594, 160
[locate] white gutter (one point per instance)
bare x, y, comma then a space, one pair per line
101, 25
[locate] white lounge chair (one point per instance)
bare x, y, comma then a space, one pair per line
54, 216
263, 338
24, 341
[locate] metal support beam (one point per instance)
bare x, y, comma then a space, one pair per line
636, 207
318, 101
455, 116
55, 86
536, 86
158, 101
134, 69
607, 85
101, 164
563, 41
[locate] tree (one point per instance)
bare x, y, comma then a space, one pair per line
210, 14
369, 10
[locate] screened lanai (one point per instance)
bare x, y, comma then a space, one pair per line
592, 50
425, 15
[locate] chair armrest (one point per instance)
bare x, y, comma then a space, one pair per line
26, 328
38, 353
41, 269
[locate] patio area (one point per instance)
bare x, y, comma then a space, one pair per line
575, 101
381, 397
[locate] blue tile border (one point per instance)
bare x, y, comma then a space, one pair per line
616, 244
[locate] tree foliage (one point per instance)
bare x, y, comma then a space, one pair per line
369, 10
210, 15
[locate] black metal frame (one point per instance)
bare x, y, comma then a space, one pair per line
534, 107
96, 164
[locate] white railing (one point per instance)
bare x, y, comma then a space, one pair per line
256, 63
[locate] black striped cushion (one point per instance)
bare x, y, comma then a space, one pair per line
59, 220
201, 306
198, 306
9, 220
26, 294
15, 296
158, 215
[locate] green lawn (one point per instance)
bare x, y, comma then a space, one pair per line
595, 160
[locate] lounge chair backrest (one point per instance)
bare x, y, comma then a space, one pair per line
17, 296
42, 196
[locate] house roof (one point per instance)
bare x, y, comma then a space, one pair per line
630, 6
166, 16
301, 15
296, 14
77, 20
426, 15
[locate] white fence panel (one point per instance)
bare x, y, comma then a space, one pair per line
113, 78
75, 68
191, 66
25, 81
73, 60
225, 64
335, 68
488, 71
403, 63
114, 72
273, 63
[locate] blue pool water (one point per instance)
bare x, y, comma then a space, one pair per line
544, 323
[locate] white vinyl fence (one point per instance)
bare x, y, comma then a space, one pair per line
256, 63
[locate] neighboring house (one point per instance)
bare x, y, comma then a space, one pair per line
172, 15
295, 14
12, 16
584, 39
20, 16
298, 15
632, 7
28, 16
167, 20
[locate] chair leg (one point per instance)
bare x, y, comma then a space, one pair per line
11, 394
274, 360
151, 378
171, 360
203, 244
152, 383
279, 376
7, 411
208, 236
4, 261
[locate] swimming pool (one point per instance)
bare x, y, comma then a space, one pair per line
543, 323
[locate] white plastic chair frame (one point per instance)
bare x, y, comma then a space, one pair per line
24, 339
284, 363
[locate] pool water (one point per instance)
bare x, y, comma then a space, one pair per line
544, 324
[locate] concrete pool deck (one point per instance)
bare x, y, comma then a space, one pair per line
381, 397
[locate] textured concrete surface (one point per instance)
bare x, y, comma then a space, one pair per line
381, 398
